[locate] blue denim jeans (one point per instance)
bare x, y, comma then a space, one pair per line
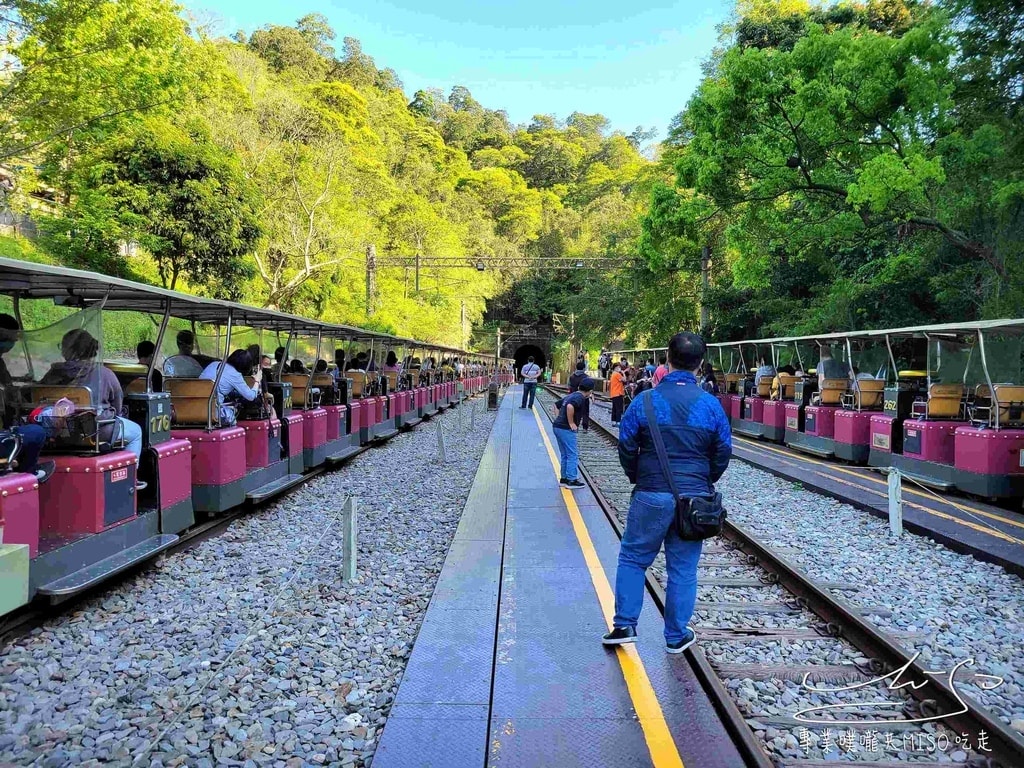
648, 526
32, 438
132, 434
569, 452
529, 393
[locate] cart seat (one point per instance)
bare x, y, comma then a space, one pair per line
192, 402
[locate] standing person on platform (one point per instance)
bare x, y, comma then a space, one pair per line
575, 380
530, 374
617, 392
697, 443
604, 363
662, 370
566, 425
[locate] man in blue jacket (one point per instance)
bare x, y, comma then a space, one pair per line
698, 442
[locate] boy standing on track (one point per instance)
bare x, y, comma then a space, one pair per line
697, 445
573, 407
530, 373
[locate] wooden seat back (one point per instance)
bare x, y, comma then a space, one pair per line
832, 391
358, 382
392, 377
300, 389
136, 386
1010, 398
945, 400
764, 387
43, 394
323, 380
191, 402
871, 392
787, 386
732, 382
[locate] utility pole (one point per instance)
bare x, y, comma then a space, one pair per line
497, 349
371, 280
462, 323
705, 281
417, 271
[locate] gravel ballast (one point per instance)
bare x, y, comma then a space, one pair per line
248, 649
947, 606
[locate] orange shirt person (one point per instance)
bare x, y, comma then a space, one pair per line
617, 392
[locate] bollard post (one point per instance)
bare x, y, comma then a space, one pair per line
472, 417
895, 502
461, 409
350, 533
442, 458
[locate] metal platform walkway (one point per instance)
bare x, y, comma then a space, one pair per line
508, 669
964, 525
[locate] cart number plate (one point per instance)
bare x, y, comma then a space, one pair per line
792, 422
118, 475
880, 441
1022, 458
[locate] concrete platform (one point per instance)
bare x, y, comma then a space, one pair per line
508, 669
964, 525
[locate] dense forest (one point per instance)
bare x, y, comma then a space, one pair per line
839, 165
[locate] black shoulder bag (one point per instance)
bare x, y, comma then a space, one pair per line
698, 518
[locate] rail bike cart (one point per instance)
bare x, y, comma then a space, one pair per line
304, 347
810, 418
87, 522
335, 398
871, 369
989, 453
388, 399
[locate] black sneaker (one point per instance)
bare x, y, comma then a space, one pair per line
44, 471
620, 636
572, 485
682, 645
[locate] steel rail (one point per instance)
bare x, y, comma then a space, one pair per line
1006, 747
23, 620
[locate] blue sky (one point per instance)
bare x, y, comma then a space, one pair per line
635, 62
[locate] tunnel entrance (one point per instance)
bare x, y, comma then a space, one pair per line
525, 352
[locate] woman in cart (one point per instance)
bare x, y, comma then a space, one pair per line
232, 383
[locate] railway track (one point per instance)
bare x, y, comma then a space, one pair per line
24, 620
778, 603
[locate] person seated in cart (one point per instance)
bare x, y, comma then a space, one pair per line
79, 349
184, 365
144, 351
32, 436
232, 384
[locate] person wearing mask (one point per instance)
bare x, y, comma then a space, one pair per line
530, 374
33, 436
566, 425
604, 363
183, 365
617, 393
232, 383
661, 371
575, 380
79, 350
698, 443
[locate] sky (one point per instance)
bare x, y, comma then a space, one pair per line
635, 62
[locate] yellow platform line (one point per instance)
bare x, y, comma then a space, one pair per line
664, 753
754, 445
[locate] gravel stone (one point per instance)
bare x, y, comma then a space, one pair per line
104, 680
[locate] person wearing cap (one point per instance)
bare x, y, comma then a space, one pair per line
571, 409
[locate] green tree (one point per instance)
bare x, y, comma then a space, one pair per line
80, 70
182, 198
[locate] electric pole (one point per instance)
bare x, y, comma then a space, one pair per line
371, 280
